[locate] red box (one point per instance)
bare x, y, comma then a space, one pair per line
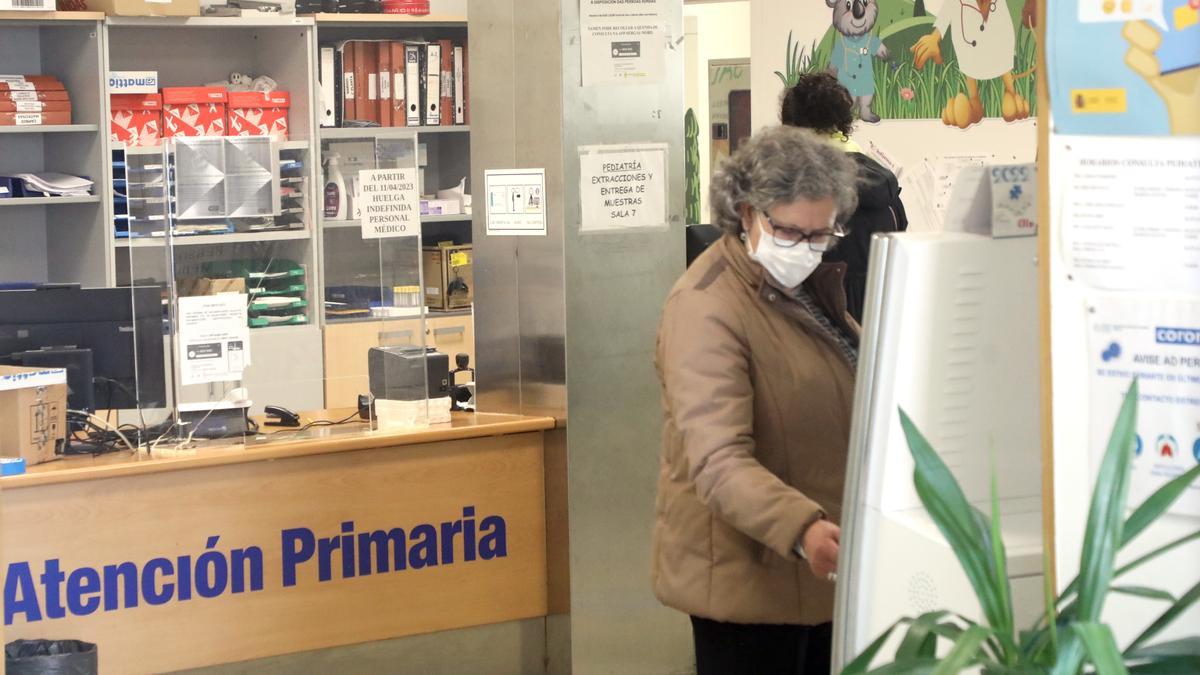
30, 83
405, 6
194, 111
20, 119
136, 119
34, 106
254, 113
35, 95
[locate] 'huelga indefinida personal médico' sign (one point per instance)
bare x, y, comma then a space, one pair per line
53, 591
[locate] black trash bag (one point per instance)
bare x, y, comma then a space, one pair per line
50, 657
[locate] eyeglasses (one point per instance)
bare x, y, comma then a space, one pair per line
818, 241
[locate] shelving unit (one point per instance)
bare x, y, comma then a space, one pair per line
329, 133
73, 239
215, 239
51, 128
57, 239
47, 201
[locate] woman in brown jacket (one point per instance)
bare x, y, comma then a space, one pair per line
757, 355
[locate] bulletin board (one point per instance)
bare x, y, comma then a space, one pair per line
1121, 291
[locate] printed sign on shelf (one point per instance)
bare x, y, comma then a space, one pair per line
390, 203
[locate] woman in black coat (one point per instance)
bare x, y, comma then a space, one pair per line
820, 103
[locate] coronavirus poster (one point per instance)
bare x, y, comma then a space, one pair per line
1156, 340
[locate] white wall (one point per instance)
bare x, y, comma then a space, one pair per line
722, 31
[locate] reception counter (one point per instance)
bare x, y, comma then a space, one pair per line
190, 558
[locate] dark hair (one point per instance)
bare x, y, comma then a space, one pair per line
818, 102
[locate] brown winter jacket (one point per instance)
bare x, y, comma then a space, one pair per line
757, 400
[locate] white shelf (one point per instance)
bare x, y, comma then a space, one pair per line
47, 201
157, 149
257, 20
458, 217
213, 239
424, 21
50, 129
332, 133
50, 18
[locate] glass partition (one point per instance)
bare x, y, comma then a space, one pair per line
278, 295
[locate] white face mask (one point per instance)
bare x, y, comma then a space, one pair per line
790, 266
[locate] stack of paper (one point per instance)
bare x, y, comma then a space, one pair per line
56, 184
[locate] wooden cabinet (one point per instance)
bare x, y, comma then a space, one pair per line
347, 344
451, 334
346, 347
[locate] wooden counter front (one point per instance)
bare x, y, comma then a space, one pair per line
240, 553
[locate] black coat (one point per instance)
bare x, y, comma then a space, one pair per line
879, 210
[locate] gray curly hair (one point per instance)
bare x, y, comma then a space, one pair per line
779, 165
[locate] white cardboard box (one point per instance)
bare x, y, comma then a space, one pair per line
27, 5
131, 81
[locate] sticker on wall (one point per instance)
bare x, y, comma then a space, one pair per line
516, 201
966, 61
623, 187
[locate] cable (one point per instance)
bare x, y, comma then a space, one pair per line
104, 426
319, 423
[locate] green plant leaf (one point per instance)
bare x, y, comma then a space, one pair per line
863, 661
1157, 504
1101, 648
919, 633
1106, 517
1187, 600
913, 667
1069, 656
965, 528
964, 653
1188, 646
1165, 548
1144, 592
1168, 665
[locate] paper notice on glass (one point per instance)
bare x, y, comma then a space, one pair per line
1157, 340
214, 338
391, 203
945, 170
622, 41
516, 201
1130, 216
623, 187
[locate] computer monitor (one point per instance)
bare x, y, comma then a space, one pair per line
111, 332
699, 238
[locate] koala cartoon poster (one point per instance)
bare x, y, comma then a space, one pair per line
959, 61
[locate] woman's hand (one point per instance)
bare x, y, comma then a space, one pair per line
820, 544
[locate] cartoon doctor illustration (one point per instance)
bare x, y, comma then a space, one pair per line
984, 39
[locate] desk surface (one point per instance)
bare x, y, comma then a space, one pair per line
271, 446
